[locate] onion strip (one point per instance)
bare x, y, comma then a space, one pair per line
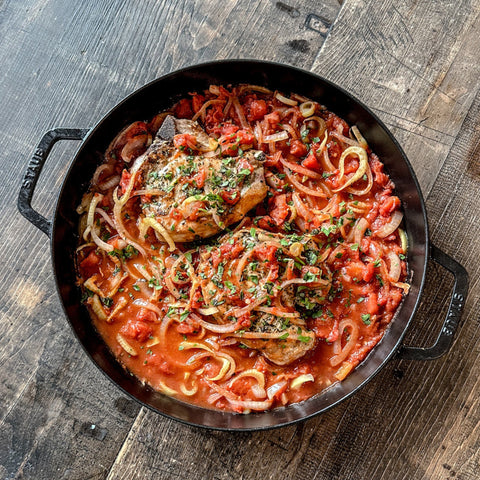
391, 226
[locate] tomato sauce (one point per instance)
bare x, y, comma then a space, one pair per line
316, 268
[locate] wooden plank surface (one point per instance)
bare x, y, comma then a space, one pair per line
64, 63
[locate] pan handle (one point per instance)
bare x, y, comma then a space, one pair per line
452, 320
33, 172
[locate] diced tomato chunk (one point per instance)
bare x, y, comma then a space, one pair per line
200, 178
215, 258
213, 118
279, 209
137, 330
372, 303
231, 251
298, 148
389, 205
267, 223
175, 213
145, 315
245, 165
231, 196
125, 180
158, 361
377, 169
256, 109
183, 109
311, 162
266, 253
197, 102
185, 140
245, 320
92, 260
185, 328
194, 210
368, 272
227, 129
197, 300
232, 142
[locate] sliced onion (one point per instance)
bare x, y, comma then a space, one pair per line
403, 240
363, 191
131, 147
120, 227
90, 284
97, 197
255, 88
148, 305
208, 311
100, 243
99, 171
358, 231
226, 365
121, 304
277, 312
404, 286
110, 183
98, 309
251, 405
307, 109
344, 370
276, 137
275, 388
258, 389
242, 311
360, 138
164, 389
105, 216
245, 404
361, 170
345, 139
296, 383
301, 208
285, 100
166, 321
126, 346
171, 287
212, 327
344, 352
203, 109
185, 390
240, 114
158, 227
257, 131
300, 169
395, 267
303, 188
391, 226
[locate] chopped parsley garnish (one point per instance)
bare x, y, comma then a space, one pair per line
366, 319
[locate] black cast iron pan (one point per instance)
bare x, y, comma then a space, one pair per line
160, 95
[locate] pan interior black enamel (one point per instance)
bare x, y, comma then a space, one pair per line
158, 96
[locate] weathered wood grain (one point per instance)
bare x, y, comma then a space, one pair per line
415, 64
66, 64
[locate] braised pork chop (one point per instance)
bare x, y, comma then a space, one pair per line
239, 270
195, 192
